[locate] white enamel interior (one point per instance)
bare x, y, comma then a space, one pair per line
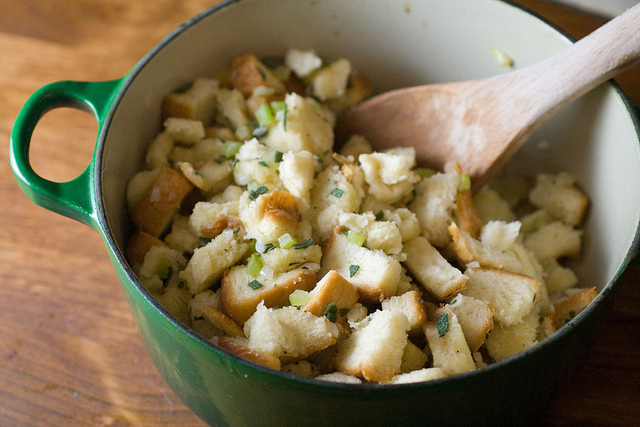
400, 44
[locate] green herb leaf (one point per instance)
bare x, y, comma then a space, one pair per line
331, 312
277, 156
442, 323
254, 194
304, 244
336, 192
198, 318
353, 269
344, 312
254, 284
379, 215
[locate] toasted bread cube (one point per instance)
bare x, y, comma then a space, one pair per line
184, 131
233, 108
331, 80
209, 176
271, 215
209, 262
492, 207
139, 244
375, 274
155, 211
467, 214
181, 237
222, 321
209, 219
374, 352
159, 150
175, 299
567, 308
511, 295
432, 270
555, 240
248, 73
409, 304
447, 343
434, 205
197, 102
250, 354
305, 129
560, 196
358, 89
288, 333
557, 277
241, 293
475, 317
297, 171
413, 358
421, 375
467, 250
339, 377
506, 341
332, 289
390, 175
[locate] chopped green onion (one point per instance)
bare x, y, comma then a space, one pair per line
254, 265
264, 115
260, 131
337, 192
424, 172
164, 269
501, 58
254, 284
277, 106
355, 238
286, 241
353, 269
304, 244
465, 182
331, 312
442, 324
299, 298
268, 248
231, 148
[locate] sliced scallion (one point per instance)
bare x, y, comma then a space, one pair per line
299, 298
230, 149
254, 265
286, 241
264, 115
355, 238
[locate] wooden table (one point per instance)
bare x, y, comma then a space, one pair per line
70, 353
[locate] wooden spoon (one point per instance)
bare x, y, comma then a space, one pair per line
480, 124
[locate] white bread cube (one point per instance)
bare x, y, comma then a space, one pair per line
560, 196
288, 333
506, 341
331, 80
207, 306
158, 152
208, 263
281, 260
432, 270
434, 205
413, 358
241, 293
409, 304
157, 260
255, 356
175, 299
555, 240
302, 62
389, 175
475, 317
332, 289
447, 343
491, 207
339, 377
233, 107
421, 375
406, 221
181, 237
567, 308
184, 131
558, 278
306, 129
377, 274
209, 219
374, 352
209, 177
511, 295
271, 215
198, 102
297, 171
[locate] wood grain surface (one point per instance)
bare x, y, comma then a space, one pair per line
70, 353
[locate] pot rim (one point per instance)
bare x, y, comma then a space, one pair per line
597, 305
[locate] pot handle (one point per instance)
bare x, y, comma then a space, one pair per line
73, 198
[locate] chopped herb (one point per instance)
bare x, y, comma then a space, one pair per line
420, 300
180, 284
254, 284
233, 164
254, 194
534, 297
331, 312
263, 163
442, 323
198, 318
337, 192
184, 88
204, 241
379, 215
572, 314
277, 156
344, 311
268, 247
236, 231
353, 269
304, 244
271, 62
262, 73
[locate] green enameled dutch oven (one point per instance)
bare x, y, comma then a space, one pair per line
397, 44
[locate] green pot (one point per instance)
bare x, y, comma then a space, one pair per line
397, 44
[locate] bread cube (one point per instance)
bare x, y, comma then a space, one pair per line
431, 270
184, 131
160, 202
271, 215
467, 250
409, 304
332, 289
208, 263
209, 219
422, 375
209, 176
558, 278
302, 62
281, 260
331, 80
560, 196
139, 244
207, 305
374, 352
233, 108
467, 215
567, 308
389, 175
511, 295
250, 354
475, 317
289, 333
297, 171
413, 358
197, 102
492, 207
339, 377
375, 274
506, 341
181, 237
434, 205
358, 89
448, 346
555, 240
241, 293
248, 73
